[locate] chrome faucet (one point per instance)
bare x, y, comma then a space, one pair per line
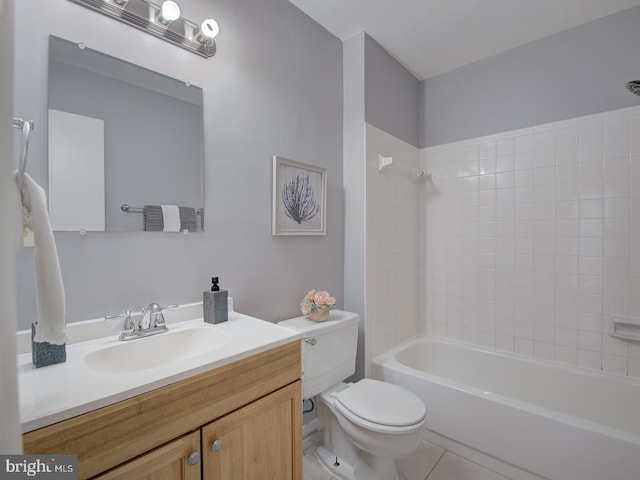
151, 323
152, 317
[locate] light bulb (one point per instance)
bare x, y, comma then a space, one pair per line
169, 12
209, 28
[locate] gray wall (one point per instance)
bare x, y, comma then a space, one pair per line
573, 73
391, 94
274, 87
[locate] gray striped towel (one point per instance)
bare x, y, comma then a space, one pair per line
153, 218
188, 219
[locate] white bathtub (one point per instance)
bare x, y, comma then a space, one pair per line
554, 421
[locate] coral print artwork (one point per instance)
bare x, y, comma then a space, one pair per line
298, 198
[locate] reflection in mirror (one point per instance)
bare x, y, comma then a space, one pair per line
145, 140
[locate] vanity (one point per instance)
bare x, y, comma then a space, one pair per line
228, 413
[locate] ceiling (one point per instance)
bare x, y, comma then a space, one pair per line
430, 37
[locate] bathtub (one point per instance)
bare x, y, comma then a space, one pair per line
527, 418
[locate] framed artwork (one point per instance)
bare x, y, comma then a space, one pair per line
299, 198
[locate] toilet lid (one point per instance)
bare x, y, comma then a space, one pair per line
381, 403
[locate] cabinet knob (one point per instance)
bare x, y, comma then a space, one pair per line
194, 458
216, 446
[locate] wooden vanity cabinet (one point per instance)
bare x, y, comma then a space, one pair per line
169, 462
251, 407
255, 442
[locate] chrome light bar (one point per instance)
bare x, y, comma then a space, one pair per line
148, 17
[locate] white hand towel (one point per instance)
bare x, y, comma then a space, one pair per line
171, 218
50, 290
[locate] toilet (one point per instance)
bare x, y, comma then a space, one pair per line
368, 424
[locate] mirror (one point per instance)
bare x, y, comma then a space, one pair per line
120, 134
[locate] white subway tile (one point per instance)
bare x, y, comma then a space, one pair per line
523, 346
524, 143
567, 319
614, 364
615, 346
590, 132
567, 227
487, 150
506, 179
567, 155
524, 160
616, 304
589, 341
591, 208
505, 147
487, 182
567, 209
505, 342
544, 350
617, 187
616, 247
616, 127
546, 175
545, 157
590, 265
588, 303
590, 322
616, 147
567, 264
545, 140
567, 191
567, 173
617, 207
591, 227
633, 367
568, 355
589, 359
525, 195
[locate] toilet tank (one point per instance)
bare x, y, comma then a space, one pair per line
328, 349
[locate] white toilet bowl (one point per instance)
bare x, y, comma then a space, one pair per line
368, 425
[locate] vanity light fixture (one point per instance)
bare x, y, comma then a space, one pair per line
169, 12
162, 21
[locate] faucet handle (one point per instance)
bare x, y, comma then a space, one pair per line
128, 326
155, 311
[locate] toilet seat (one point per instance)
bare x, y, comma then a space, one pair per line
381, 407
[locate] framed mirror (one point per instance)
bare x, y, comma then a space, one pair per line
120, 134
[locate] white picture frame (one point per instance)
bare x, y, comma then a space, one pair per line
299, 198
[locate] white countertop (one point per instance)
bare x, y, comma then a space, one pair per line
50, 394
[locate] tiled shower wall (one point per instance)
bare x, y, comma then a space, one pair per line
392, 245
531, 238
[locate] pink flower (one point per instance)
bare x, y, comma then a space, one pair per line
323, 298
309, 295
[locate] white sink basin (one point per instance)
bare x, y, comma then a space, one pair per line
156, 351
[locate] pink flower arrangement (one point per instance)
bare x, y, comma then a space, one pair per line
313, 300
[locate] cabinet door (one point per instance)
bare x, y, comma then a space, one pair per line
177, 460
260, 441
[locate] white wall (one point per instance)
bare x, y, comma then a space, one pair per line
392, 248
532, 237
10, 440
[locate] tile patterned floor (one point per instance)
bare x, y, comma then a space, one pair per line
429, 462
